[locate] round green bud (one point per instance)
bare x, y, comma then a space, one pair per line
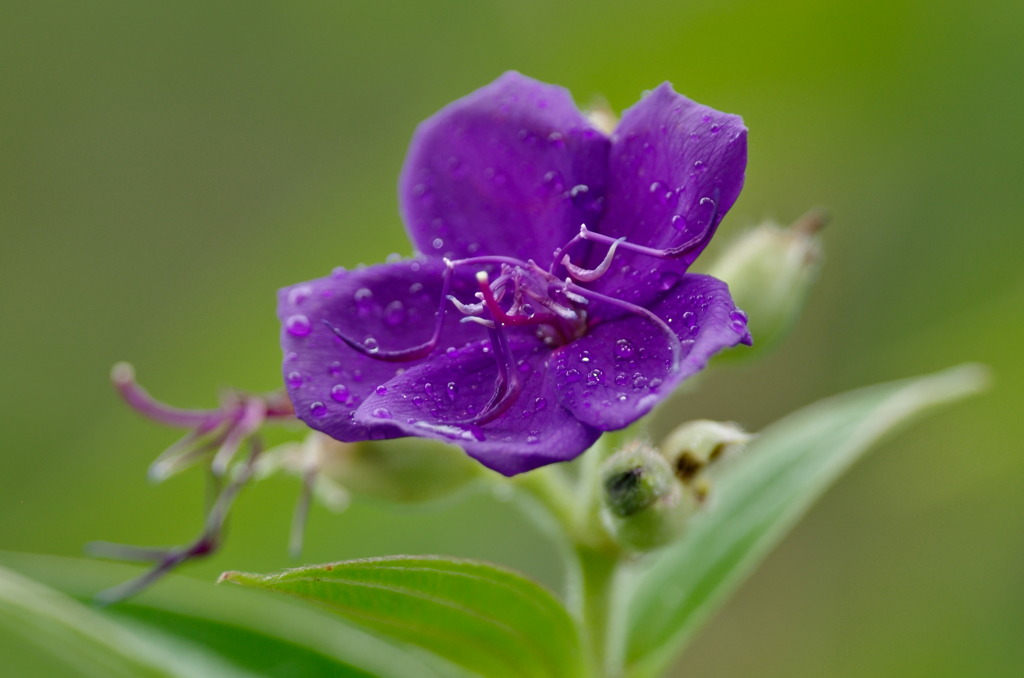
643, 505
770, 271
692, 447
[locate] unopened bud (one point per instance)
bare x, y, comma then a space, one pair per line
404, 470
690, 448
643, 506
770, 271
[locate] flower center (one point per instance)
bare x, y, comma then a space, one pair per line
522, 294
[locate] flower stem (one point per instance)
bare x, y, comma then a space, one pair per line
596, 595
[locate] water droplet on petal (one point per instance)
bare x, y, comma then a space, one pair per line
334, 369
532, 440
298, 325
297, 295
437, 243
452, 389
572, 375
371, 344
394, 313
317, 409
553, 181
539, 404
294, 379
556, 140
382, 413
340, 393
595, 377
623, 348
667, 281
381, 390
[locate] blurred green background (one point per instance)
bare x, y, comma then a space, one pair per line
165, 167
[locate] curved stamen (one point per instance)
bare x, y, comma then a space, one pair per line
413, 352
563, 251
667, 253
506, 387
123, 376
673, 338
499, 314
249, 420
590, 275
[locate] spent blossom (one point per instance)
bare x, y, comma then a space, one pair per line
548, 299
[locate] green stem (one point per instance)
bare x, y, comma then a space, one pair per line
594, 600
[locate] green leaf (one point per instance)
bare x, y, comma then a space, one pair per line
490, 621
93, 643
756, 499
187, 628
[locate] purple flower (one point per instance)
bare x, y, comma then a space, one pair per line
549, 299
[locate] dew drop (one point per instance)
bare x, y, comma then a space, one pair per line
714, 129
553, 181
318, 409
371, 344
539, 404
428, 388
623, 348
595, 377
394, 313
698, 165
339, 272
381, 390
437, 243
532, 440
572, 375
621, 379
291, 356
334, 369
678, 222
452, 390
415, 288
382, 413
667, 281
585, 356
340, 393
639, 381
556, 140
297, 295
357, 375
298, 325
294, 379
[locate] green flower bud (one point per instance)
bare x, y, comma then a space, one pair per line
770, 271
690, 448
643, 506
406, 470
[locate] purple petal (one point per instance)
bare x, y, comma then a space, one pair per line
388, 307
512, 169
623, 368
675, 169
440, 398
